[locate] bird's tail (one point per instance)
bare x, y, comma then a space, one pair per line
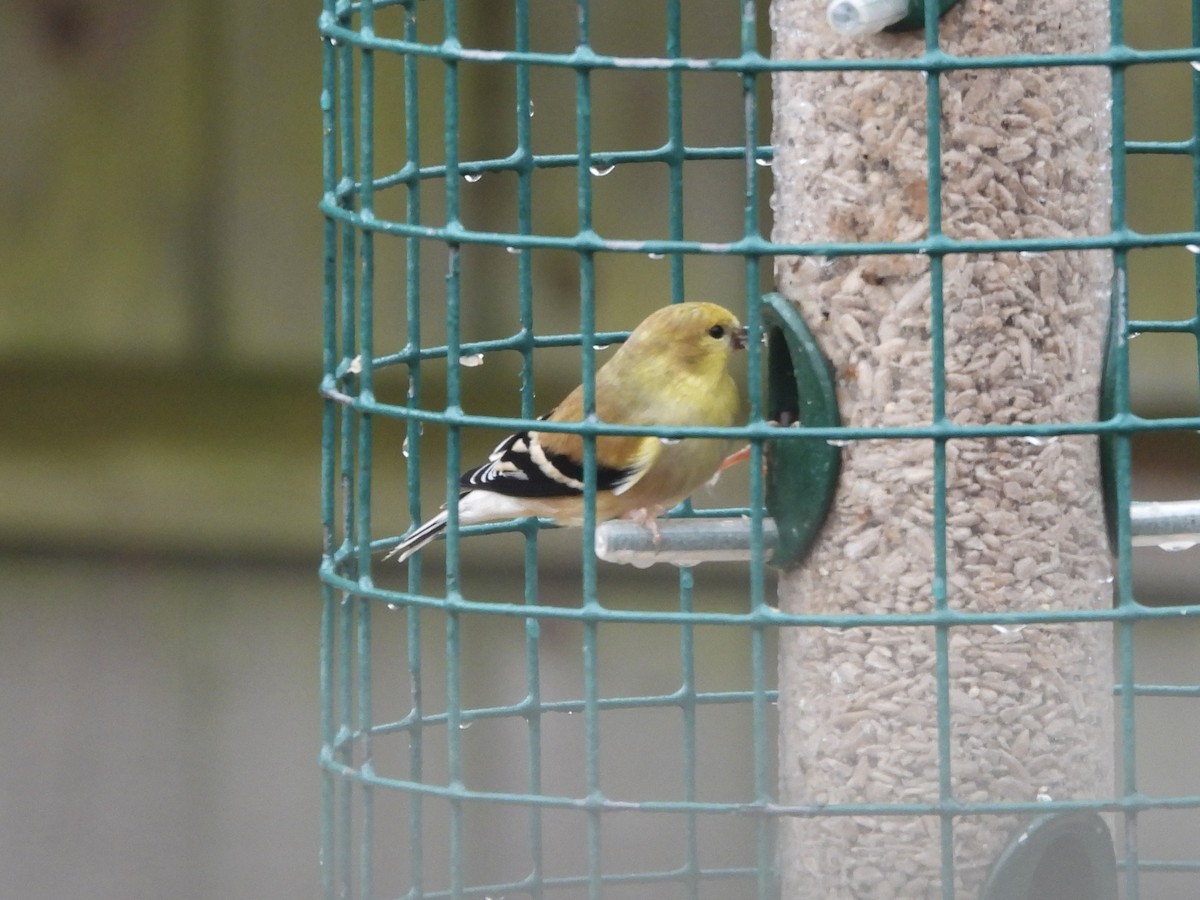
419, 538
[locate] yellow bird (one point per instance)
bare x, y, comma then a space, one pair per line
672, 370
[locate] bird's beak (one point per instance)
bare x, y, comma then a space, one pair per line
739, 338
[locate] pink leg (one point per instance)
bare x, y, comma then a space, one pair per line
739, 456
733, 459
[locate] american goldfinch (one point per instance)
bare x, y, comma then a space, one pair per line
672, 370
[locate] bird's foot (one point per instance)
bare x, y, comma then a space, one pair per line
648, 517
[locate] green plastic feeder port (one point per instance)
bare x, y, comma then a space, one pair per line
802, 474
1108, 409
915, 17
858, 18
1068, 856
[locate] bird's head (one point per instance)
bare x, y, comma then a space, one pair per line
694, 334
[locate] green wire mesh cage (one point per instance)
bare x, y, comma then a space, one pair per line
507, 716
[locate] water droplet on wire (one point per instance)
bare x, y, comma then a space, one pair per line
656, 255
1008, 629
471, 360
472, 177
765, 163
1192, 248
600, 171
1175, 546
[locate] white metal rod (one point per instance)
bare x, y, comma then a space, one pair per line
681, 542
686, 542
1168, 524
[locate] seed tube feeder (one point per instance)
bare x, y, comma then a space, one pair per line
951, 290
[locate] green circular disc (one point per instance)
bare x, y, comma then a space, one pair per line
802, 474
1068, 856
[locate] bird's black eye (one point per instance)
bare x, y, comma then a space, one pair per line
717, 331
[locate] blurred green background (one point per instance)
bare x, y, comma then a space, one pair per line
160, 280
